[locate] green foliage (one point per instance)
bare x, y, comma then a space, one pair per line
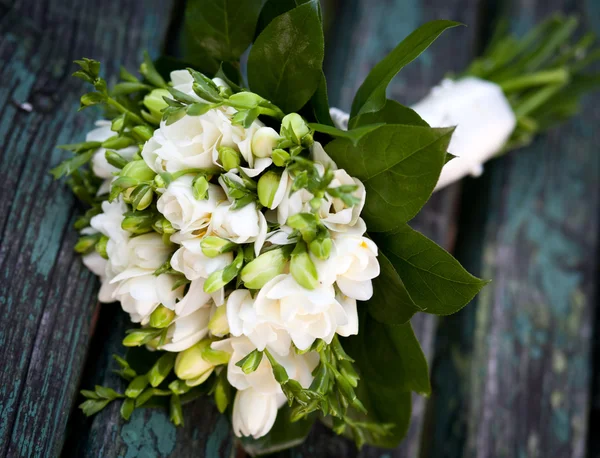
399, 166
433, 278
370, 96
285, 62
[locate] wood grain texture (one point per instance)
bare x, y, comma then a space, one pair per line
47, 297
512, 370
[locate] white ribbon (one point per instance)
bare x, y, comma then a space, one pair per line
481, 113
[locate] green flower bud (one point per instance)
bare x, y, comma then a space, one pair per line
86, 243
220, 278
347, 370
175, 411
305, 223
138, 170
136, 386
250, 362
115, 159
137, 224
218, 324
101, 246
213, 246
179, 387
321, 247
91, 98
117, 142
190, 364
267, 188
144, 133
142, 197
200, 187
264, 142
295, 127
267, 266
215, 357
203, 378
280, 157
302, 268
161, 317
139, 337
155, 103
117, 123
222, 393
163, 226
307, 141
160, 182
229, 157
245, 100
161, 369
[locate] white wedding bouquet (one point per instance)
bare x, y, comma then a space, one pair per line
264, 253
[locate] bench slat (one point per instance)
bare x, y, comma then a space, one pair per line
47, 297
512, 374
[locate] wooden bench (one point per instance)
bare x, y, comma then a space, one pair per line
512, 372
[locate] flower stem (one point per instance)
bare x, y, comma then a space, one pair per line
556, 76
112, 102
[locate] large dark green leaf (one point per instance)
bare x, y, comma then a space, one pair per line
320, 103
391, 113
354, 135
274, 8
392, 365
391, 303
285, 62
371, 94
434, 279
399, 166
283, 435
221, 29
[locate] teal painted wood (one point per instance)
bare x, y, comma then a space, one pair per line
512, 371
47, 297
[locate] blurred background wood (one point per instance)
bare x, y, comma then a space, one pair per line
511, 372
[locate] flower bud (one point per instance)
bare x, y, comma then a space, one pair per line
213, 246
161, 369
229, 157
267, 188
117, 142
161, 317
117, 124
115, 159
302, 268
321, 247
264, 142
142, 197
163, 226
155, 103
280, 157
218, 324
138, 337
86, 243
136, 386
305, 223
143, 132
222, 394
215, 357
190, 365
101, 246
245, 100
138, 170
295, 127
261, 270
160, 182
250, 362
200, 187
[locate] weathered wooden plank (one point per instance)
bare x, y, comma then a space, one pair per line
364, 32
47, 298
512, 375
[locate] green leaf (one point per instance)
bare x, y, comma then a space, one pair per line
434, 279
391, 303
71, 165
223, 29
284, 434
127, 408
399, 166
371, 94
285, 62
354, 135
320, 103
230, 73
391, 113
392, 365
92, 406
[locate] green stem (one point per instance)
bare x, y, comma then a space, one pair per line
273, 112
536, 100
112, 102
556, 76
193, 171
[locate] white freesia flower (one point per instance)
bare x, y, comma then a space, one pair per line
95, 263
139, 255
100, 165
259, 395
194, 264
244, 225
140, 295
264, 142
305, 314
187, 330
244, 321
109, 221
183, 210
352, 264
194, 299
256, 164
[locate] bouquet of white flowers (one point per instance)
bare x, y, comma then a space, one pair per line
265, 252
